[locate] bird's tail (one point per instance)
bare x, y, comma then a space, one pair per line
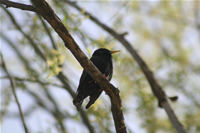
77, 102
93, 98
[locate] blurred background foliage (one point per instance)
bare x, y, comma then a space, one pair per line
166, 34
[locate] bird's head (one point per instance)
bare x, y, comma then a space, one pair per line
104, 52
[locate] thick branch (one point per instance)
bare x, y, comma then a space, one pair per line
46, 11
15, 95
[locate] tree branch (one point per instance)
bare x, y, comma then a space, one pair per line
17, 5
47, 12
156, 88
34, 81
48, 32
14, 93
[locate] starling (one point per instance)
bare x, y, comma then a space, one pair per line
102, 59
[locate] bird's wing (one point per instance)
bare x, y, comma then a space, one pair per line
83, 76
99, 63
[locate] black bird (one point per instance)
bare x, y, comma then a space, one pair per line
102, 59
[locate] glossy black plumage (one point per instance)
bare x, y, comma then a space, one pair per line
102, 59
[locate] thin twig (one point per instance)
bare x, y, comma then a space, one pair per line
119, 10
48, 32
34, 81
14, 93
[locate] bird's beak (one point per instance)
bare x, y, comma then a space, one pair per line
112, 52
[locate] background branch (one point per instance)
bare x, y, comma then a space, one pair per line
34, 81
14, 93
17, 5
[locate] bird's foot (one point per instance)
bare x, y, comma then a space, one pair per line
105, 76
100, 90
